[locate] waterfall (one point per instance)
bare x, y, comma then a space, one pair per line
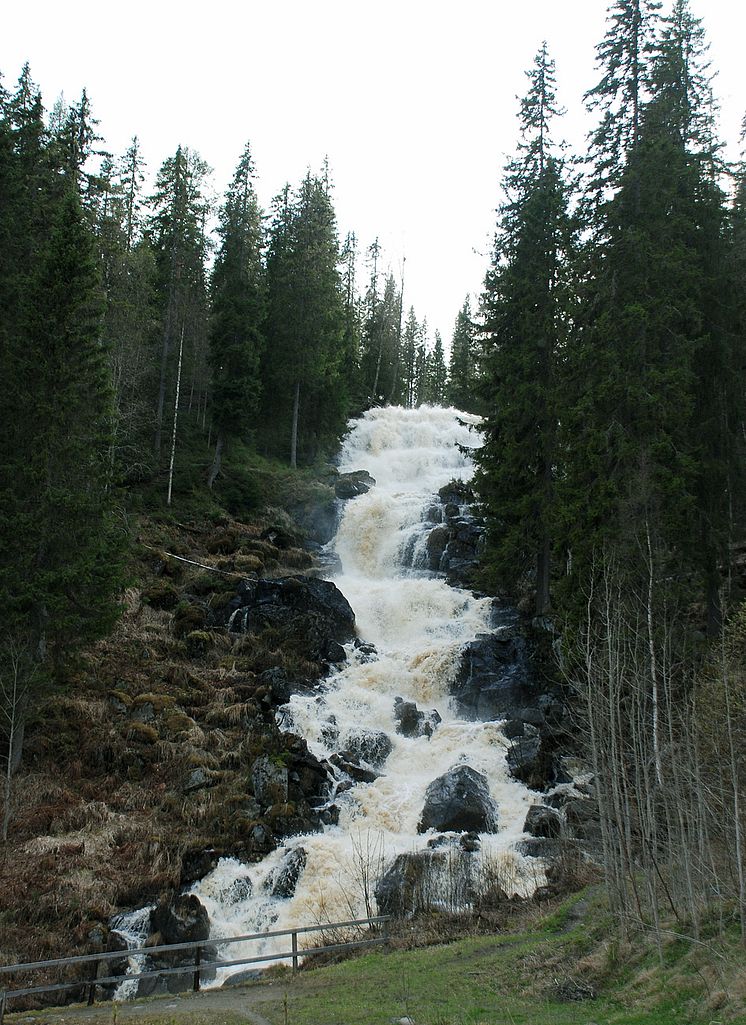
418, 625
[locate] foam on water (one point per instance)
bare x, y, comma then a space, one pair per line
418, 625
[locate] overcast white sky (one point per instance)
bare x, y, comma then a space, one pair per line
413, 101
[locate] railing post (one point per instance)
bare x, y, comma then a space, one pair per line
295, 952
92, 985
2, 1006
197, 962
386, 936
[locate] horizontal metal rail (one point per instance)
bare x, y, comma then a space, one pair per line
196, 968
107, 955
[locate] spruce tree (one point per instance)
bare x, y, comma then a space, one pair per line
238, 296
58, 581
302, 377
176, 234
526, 314
462, 371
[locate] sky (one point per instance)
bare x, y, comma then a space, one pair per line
412, 101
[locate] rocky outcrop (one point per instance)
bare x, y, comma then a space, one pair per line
459, 801
496, 679
305, 614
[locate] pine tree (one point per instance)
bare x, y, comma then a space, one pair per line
238, 296
526, 313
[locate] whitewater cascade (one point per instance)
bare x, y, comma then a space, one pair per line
418, 625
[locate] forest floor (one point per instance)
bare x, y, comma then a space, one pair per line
559, 967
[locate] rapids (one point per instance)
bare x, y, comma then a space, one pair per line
418, 625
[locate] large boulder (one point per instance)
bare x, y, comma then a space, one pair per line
183, 919
371, 746
408, 885
350, 485
411, 722
459, 801
307, 614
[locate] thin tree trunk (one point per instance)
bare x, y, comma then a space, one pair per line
653, 660
738, 836
176, 417
215, 468
294, 429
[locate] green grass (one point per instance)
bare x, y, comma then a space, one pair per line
500, 979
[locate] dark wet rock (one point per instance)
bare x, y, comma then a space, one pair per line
451, 510
532, 761
285, 878
459, 801
281, 684
183, 919
329, 816
305, 613
330, 731
403, 888
456, 492
371, 746
309, 779
411, 722
353, 769
269, 778
435, 545
350, 485
538, 847
196, 863
365, 652
332, 651
494, 679
542, 821
514, 728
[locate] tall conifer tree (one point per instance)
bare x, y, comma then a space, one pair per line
526, 312
238, 300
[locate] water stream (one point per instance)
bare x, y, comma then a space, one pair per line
418, 625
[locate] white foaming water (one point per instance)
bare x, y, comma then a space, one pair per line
418, 625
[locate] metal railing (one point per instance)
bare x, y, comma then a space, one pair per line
195, 968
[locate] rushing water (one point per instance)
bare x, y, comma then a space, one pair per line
418, 625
